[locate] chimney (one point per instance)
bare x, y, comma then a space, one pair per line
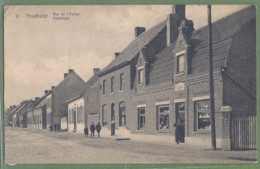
52, 87
96, 70
37, 98
46, 92
117, 54
65, 75
70, 71
173, 22
179, 10
186, 28
139, 30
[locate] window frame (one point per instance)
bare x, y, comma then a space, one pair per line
122, 82
112, 85
140, 76
139, 116
158, 128
122, 116
178, 71
104, 87
196, 116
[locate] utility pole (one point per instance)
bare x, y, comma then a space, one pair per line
211, 84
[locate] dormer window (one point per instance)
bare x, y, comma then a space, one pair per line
180, 63
140, 76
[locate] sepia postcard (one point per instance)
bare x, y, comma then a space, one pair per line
130, 84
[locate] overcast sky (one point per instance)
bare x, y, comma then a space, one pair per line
37, 49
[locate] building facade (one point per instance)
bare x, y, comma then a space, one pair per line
70, 85
83, 107
166, 77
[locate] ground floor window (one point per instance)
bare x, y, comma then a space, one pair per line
122, 114
202, 115
80, 114
163, 117
141, 118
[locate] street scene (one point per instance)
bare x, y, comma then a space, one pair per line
130, 84
45, 147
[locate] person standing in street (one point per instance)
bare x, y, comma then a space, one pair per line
178, 131
98, 128
113, 127
86, 131
92, 129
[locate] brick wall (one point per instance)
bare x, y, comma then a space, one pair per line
200, 88
116, 97
150, 97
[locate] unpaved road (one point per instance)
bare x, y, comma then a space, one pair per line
24, 146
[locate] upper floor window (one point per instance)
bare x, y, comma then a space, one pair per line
104, 87
140, 76
122, 81
180, 63
112, 84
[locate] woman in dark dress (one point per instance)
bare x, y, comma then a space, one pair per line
178, 131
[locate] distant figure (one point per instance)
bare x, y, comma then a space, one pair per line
92, 129
98, 128
113, 127
86, 131
50, 128
179, 132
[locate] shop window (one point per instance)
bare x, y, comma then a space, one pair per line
163, 117
112, 84
122, 82
180, 63
122, 115
104, 87
141, 118
140, 76
202, 116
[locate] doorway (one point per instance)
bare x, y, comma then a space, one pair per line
180, 114
75, 120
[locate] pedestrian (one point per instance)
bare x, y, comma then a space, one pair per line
179, 133
92, 129
98, 128
50, 128
86, 131
113, 127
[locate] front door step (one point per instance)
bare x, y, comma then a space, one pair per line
120, 139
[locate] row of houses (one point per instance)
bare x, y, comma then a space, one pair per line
161, 76
66, 106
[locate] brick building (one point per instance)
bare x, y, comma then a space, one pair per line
83, 107
37, 115
164, 74
56, 107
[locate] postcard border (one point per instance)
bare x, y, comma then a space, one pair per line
116, 2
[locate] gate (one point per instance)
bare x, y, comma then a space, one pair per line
243, 133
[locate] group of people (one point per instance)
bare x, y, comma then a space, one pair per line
92, 130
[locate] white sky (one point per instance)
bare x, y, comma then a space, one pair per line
37, 50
